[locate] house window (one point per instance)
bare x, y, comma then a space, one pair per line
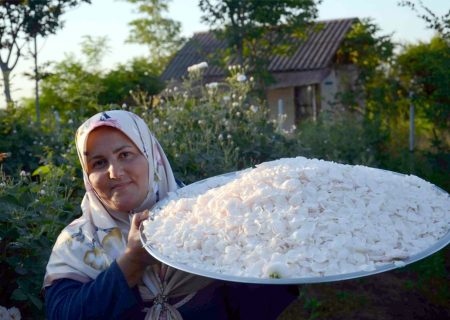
307, 103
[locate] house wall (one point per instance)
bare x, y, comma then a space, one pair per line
328, 90
340, 79
287, 95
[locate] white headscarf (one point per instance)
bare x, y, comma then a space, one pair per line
92, 242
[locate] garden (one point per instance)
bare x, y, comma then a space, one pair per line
210, 129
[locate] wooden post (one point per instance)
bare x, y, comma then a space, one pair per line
411, 122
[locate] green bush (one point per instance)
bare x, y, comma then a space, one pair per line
32, 215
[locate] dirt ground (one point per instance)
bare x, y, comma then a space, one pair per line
419, 291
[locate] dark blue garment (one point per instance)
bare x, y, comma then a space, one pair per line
109, 297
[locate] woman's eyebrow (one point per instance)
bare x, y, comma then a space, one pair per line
117, 150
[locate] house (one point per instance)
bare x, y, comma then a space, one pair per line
306, 81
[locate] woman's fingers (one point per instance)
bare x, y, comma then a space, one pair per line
139, 217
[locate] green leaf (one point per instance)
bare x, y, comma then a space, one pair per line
19, 295
36, 301
42, 170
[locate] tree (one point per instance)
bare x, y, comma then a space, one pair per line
372, 54
159, 33
426, 65
122, 85
256, 30
439, 23
22, 21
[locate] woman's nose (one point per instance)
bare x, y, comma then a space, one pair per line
115, 170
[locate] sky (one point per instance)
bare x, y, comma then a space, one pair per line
111, 17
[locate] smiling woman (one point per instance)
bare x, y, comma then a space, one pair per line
117, 170
98, 268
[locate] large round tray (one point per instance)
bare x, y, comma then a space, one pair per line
443, 242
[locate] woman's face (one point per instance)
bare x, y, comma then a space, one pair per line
116, 168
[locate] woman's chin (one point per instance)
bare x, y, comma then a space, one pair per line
124, 207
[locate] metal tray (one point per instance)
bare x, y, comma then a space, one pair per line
443, 242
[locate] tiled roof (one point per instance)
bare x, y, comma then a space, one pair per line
316, 52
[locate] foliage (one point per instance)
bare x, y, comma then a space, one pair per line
159, 33
124, 83
252, 29
27, 144
32, 215
344, 138
81, 85
22, 20
369, 52
425, 67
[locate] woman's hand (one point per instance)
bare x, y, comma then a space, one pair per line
135, 259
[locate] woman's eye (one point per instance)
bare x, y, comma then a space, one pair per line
98, 164
125, 154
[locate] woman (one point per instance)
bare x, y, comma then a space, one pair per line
98, 268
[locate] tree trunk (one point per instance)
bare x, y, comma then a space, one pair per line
36, 75
6, 85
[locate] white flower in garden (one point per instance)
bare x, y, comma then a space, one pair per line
169, 127
220, 137
23, 173
14, 131
197, 67
229, 136
42, 192
124, 106
254, 108
235, 104
200, 122
185, 95
252, 79
212, 85
175, 89
130, 92
2, 184
238, 114
155, 121
234, 96
241, 77
35, 142
226, 98
165, 123
203, 65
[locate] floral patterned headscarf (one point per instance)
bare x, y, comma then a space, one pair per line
92, 242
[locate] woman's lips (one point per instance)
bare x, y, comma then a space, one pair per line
120, 185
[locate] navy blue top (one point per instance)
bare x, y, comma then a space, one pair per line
110, 297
